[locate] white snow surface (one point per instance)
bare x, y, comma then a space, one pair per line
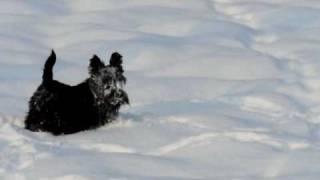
219, 89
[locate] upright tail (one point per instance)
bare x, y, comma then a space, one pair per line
47, 71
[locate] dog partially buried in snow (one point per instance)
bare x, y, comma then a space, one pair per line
63, 109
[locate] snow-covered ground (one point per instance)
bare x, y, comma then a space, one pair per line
220, 89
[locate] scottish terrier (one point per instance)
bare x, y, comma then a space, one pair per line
63, 109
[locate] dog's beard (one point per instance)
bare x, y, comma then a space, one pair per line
107, 90
118, 97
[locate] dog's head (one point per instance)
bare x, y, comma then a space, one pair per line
108, 79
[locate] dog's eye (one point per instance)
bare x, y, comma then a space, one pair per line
106, 71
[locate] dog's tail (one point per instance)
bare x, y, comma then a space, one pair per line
48, 66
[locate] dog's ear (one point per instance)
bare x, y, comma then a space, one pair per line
115, 59
95, 64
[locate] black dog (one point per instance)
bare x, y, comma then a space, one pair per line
62, 109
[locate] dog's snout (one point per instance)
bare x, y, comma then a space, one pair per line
107, 80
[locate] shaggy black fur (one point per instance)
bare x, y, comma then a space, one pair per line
62, 109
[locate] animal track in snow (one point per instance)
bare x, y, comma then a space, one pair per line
107, 148
189, 141
248, 137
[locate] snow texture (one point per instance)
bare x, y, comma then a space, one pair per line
219, 89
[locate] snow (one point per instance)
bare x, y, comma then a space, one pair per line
219, 89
